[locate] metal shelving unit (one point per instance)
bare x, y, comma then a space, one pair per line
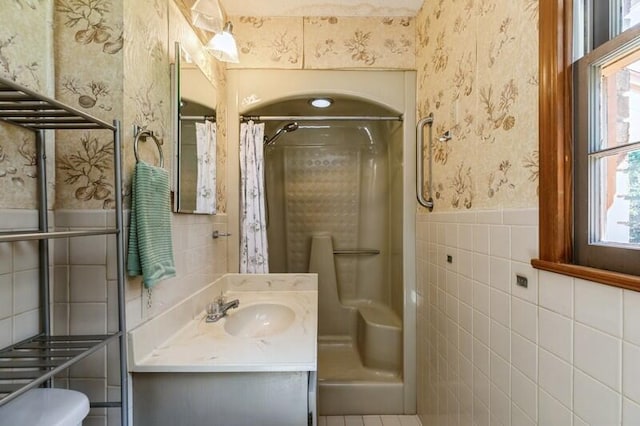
33, 362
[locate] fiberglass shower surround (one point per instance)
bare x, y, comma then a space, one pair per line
330, 187
349, 173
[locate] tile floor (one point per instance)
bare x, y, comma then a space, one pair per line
369, 421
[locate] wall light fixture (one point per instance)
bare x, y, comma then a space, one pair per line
207, 14
223, 45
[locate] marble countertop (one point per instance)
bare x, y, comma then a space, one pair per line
199, 346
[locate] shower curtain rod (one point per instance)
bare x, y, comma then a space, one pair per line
320, 117
198, 117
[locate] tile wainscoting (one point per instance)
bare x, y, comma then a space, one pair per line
562, 351
368, 421
84, 290
19, 291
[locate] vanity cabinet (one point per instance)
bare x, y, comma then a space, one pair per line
190, 372
222, 399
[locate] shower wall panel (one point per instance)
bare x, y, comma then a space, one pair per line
268, 92
333, 179
322, 191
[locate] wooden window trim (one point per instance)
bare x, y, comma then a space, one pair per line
556, 203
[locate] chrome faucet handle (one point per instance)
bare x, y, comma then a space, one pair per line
220, 300
218, 309
212, 308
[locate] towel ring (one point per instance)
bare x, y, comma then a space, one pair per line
144, 134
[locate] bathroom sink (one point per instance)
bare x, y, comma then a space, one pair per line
260, 320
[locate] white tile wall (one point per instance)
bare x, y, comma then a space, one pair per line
594, 402
552, 412
6, 332
19, 294
556, 334
6, 295
25, 325
630, 413
562, 351
631, 366
598, 354
556, 293
555, 377
631, 316
85, 291
6, 255
368, 421
599, 306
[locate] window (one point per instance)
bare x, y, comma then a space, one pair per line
606, 112
606, 177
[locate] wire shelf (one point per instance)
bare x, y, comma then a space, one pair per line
22, 107
27, 364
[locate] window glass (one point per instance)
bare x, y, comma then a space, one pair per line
607, 137
620, 101
630, 11
615, 155
619, 195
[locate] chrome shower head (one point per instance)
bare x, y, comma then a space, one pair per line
289, 127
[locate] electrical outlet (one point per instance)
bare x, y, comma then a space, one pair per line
522, 281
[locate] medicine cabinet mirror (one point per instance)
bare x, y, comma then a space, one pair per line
193, 100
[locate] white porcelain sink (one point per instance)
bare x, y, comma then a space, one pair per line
260, 320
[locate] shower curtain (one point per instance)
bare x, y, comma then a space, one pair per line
253, 230
206, 165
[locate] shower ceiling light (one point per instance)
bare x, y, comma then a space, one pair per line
321, 102
223, 45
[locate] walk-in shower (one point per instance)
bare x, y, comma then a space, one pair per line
336, 187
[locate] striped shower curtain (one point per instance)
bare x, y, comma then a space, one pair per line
254, 257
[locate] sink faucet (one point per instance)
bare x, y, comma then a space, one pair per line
218, 309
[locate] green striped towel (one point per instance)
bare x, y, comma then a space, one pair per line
150, 252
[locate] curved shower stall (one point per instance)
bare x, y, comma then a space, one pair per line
336, 197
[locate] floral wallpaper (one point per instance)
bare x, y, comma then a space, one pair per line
325, 42
25, 59
269, 42
146, 82
339, 42
110, 59
477, 73
88, 46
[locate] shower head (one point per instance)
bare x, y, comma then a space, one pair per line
289, 127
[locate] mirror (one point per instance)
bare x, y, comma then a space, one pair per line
193, 102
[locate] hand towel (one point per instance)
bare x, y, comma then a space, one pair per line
150, 251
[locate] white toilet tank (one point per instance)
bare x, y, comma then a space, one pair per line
46, 407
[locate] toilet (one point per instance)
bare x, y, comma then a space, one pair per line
46, 407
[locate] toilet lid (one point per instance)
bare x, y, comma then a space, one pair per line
45, 407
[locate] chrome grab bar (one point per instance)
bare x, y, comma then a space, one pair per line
356, 252
428, 203
217, 234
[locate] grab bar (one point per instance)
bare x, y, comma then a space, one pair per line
356, 252
428, 203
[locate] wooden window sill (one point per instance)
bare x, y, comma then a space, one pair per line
615, 279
